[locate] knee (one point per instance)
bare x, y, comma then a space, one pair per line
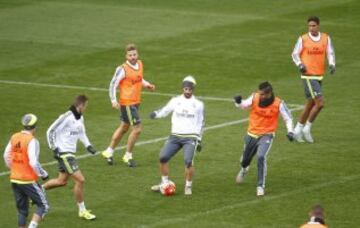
137, 130
261, 158
23, 212
81, 181
188, 163
320, 105
164, 159
42, 210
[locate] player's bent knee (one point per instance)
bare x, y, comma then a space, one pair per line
188, 163
164, 159
42, 210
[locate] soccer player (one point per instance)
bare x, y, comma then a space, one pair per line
22, 158
317, 218
129, 79
187, 125
265, 108
62, 137
309, 56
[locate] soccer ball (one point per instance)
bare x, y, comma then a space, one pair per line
168, 188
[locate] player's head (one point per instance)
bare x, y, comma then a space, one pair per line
266, 94
131, 53
29, 121
317, 214
188, 86
314, 25
80, 103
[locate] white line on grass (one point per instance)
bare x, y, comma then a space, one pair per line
106, 90
159, 139
187, 218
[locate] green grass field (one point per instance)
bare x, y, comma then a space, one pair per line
54, 50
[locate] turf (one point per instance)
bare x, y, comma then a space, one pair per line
229, 46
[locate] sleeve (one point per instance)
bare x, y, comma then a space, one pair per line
83, 137
33, 153
287, 117
166, 110
296, 52
201, 120
145, 83
330, 52
245, 103
118, 76
7, 155
54, 128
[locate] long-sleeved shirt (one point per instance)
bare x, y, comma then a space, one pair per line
118, 76
65, 132
187, 118
299, 46
33, 154
284, 111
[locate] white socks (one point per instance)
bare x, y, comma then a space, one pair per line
128, 155
82, 207
164, 179
188, 184
307, 126
110, 150
298, 128
33, 224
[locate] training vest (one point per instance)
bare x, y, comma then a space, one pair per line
20, 166
263, 120
131, 86
313, 54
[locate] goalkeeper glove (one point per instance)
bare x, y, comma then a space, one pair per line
290, 136
198, 146
45, 176
91, 149
238, 99
152, 115
302, 68
332, 69
56, 153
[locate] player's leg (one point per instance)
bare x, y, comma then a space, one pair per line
189, 146
38, 197
135, 122
22, 204
264, 145
65, 170
79, 181
245, 160
171, 147
315, 86
115, 139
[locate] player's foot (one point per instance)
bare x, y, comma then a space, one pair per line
108, 156
260, 191
241, 175
156, 188
188, 191
87, 215
307, 135
129, 161
299, 137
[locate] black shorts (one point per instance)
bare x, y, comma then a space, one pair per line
67, 163
130, 114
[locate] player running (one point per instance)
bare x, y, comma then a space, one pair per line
129, 79
264, 111
187, 125
62, 137
22, 158
309, 56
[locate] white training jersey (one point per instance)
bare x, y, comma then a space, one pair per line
65, 132
187, 116
33, 155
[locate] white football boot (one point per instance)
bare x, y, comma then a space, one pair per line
260, 191
188, 191
156, 188
307, 135
241, 175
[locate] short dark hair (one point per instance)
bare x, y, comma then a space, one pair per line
266, 87
314, 19
80, 99
318, 212
130, 47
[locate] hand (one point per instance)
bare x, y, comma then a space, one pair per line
199, 146
91, 149
152, 115
151, 87
56, 153
238, 99
302, 68
290, 136
115, 105
332, 69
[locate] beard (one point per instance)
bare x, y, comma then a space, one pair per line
187, 95
267, 101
